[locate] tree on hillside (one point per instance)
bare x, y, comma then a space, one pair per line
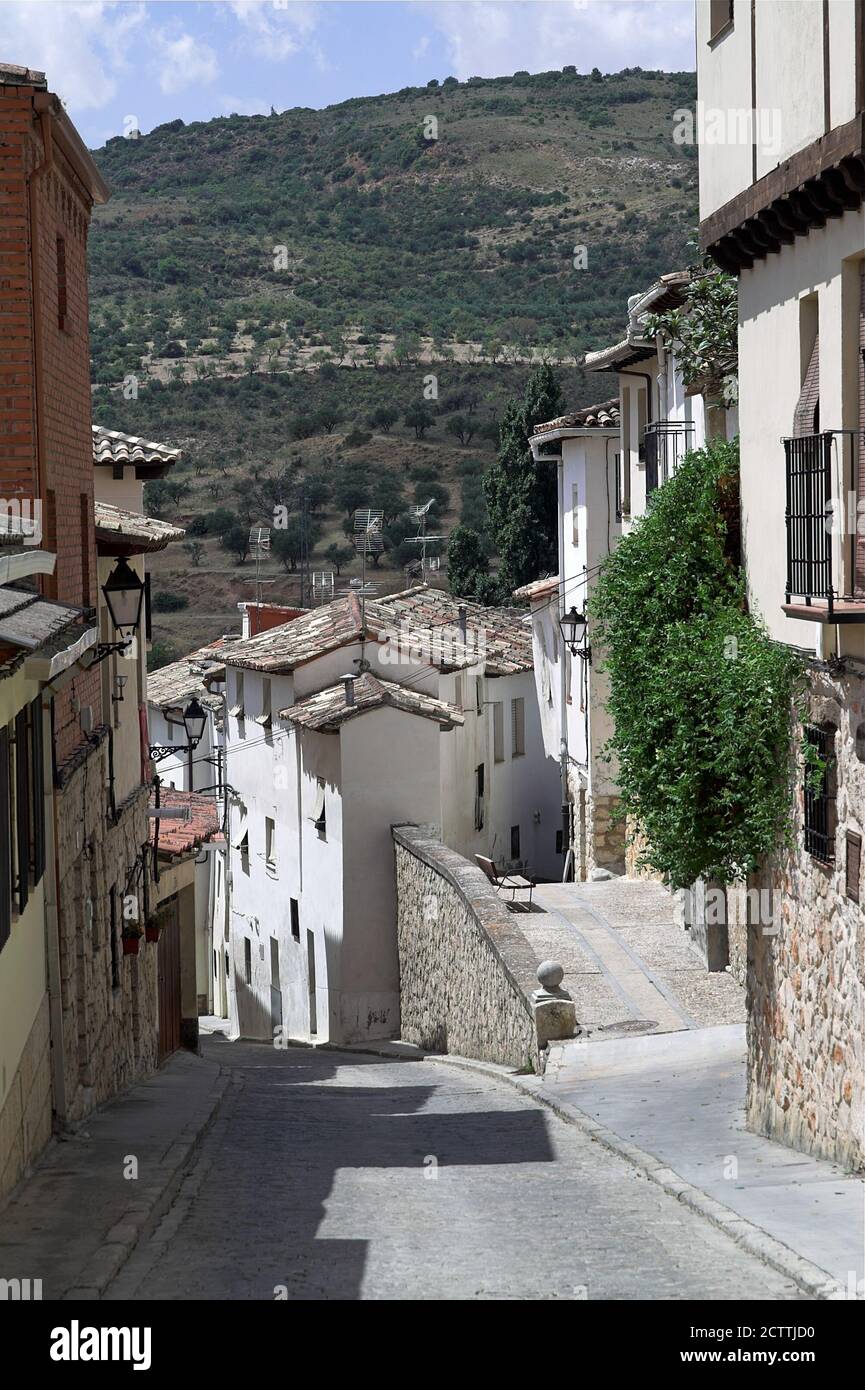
418, 418
462, 426
236, 541
521, 495
468, 566
288, 541
339, 555
384, 418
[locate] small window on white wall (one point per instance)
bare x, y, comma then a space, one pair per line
498, 732
264, 717
518, 727
319, 809
270, 842
236, 710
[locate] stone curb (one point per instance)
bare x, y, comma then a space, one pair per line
813, 1280
150, 1204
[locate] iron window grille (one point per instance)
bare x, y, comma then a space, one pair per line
665, 444
820, 783
809, 515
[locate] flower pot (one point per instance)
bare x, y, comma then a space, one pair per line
130, 945
151, 931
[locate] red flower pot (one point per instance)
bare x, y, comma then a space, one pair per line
151, 931
130, 945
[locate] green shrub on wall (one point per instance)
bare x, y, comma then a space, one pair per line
700, 695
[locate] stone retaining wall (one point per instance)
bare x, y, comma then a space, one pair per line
806, 972
466, 970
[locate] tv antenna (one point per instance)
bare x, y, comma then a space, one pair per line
259, 541
322, 586
423, 539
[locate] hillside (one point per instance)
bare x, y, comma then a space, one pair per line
266, 285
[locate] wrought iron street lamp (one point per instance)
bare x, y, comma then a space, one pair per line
194, 720
573, 629
124, 594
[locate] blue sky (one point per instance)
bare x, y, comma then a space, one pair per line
155, 60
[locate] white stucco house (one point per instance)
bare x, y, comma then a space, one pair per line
350, 719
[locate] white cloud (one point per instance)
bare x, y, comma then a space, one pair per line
420, 47
487, 38
275, 30
81, 45
182, 61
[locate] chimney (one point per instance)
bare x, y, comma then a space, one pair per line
462, 622
348, 682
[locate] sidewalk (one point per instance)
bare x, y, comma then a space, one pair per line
680, 1097
77, 1219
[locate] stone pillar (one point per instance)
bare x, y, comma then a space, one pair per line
554, 1010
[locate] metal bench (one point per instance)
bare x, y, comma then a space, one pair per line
506, 883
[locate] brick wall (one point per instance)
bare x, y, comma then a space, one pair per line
46, 454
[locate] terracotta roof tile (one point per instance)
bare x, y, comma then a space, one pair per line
179, 837
132, 531
603, 416
496, 636
327, 709
538, 588
113, 447
175, 684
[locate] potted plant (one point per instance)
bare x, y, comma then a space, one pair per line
152, 929
130, 936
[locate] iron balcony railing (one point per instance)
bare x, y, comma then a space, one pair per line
664, 446
822, 501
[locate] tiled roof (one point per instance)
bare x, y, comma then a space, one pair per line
497, 636
175, 684
28, 621
327, 709
604, 416
112, 447
668, 292
131, 531
179, 837
538, 588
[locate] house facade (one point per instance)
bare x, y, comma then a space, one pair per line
782, 206
339, 724
79, 1006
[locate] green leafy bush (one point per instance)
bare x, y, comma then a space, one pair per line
700, 695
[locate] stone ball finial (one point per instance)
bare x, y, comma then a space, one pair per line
550, 974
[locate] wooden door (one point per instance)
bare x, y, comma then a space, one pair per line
168, 968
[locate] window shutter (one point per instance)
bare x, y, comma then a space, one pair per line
854, 854
518, 727
805, 418
5, 843
37, 758
498, 732
22, 807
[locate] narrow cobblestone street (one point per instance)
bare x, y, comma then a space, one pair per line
339, 1176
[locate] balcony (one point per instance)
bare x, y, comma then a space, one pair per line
815, 515
664, 446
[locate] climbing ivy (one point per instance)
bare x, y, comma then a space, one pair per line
700, 695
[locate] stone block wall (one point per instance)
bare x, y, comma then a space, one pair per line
25, 1117
110, 1031
806, 973
466, 970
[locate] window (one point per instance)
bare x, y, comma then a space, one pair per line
820, 792
720, 18
617, 483
458, 691
515, 842
518, 727
236, 710
264, 717
479, 796
270, 842
498, 732
243, 850
274, 962
295, 918
62, 304
479, 695
626, 452
319, 810
247, 960
854, 855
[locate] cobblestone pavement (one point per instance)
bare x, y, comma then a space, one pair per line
346, 1176
627, 963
